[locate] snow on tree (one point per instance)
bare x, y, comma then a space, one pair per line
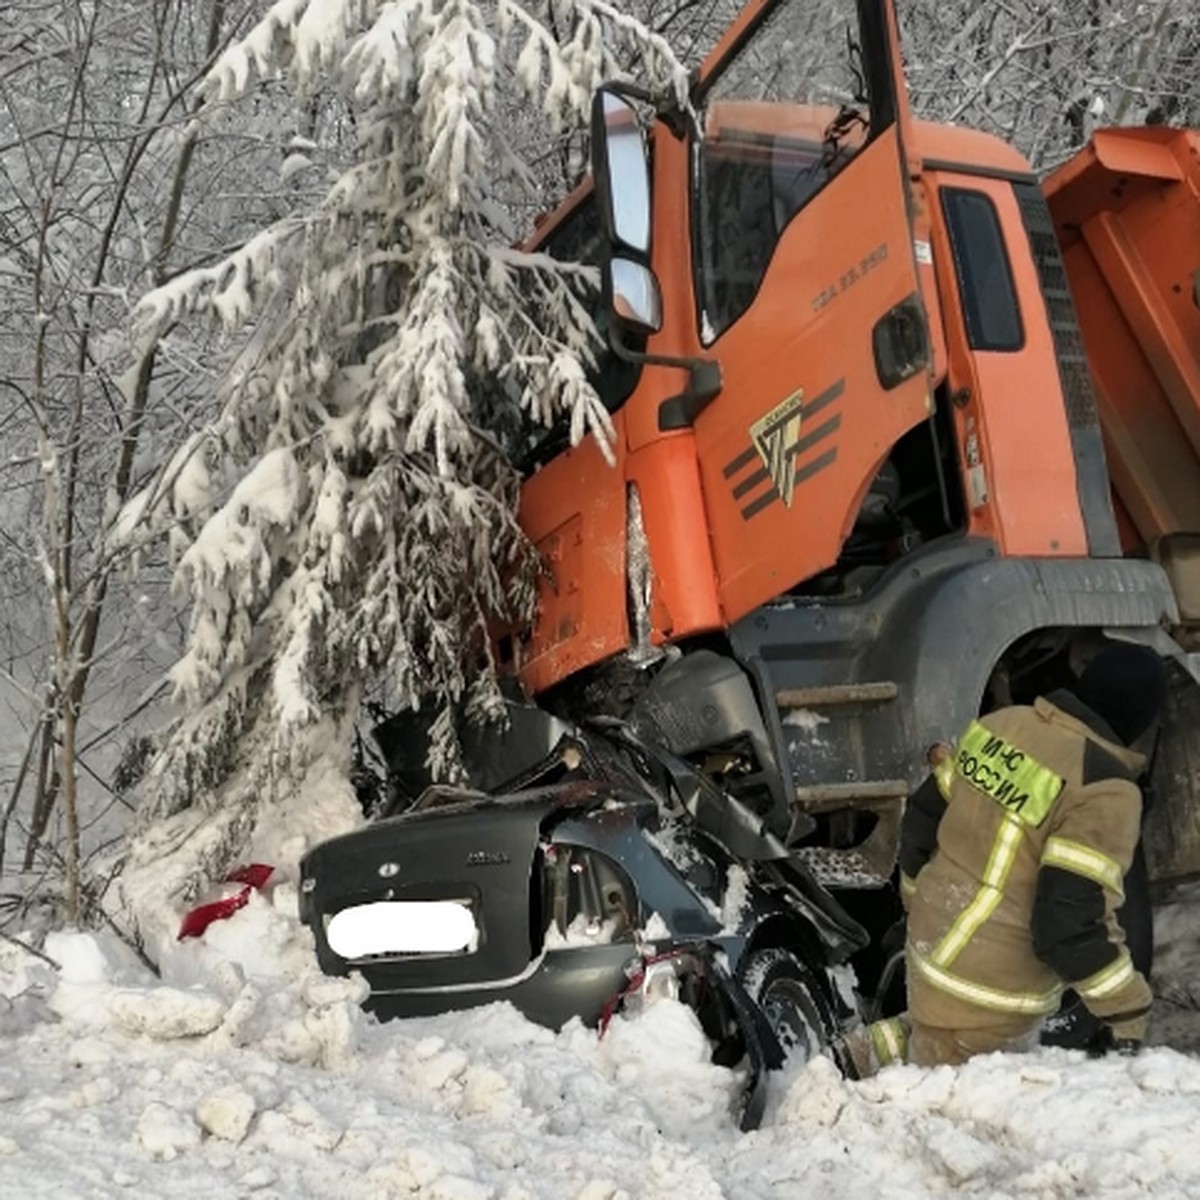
350, 516
105, 190
1045, 76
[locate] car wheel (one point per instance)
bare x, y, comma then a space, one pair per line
794, 1004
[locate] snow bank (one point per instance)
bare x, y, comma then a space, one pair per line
283, 1088
244, 1072
249, 1081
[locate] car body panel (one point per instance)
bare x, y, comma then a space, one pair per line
499, 855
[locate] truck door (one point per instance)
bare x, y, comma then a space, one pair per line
806, 286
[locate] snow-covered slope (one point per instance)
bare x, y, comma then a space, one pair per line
245, 1073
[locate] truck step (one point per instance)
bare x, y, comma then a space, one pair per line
850, 795
867, 865
834, 695
842, 868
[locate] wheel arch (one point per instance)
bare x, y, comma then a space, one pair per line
937, 626
783, 930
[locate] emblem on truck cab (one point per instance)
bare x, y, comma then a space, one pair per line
776, 442
774, 436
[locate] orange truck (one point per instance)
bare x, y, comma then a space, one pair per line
902, 433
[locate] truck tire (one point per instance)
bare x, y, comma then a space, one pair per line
793, 1002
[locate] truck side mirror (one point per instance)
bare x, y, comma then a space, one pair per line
634, 299
621, 170
622, 173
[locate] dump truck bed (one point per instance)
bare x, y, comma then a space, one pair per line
1127, 213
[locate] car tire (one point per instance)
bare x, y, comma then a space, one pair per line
793, 1003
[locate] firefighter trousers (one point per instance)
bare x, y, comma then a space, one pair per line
870, 1048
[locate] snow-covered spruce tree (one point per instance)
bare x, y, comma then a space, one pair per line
350, 515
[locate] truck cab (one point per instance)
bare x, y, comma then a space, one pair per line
857, 452
856, 492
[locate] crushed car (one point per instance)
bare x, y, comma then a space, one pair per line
606, 871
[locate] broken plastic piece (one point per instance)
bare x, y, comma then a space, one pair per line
252, 877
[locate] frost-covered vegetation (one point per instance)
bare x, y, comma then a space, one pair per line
349, 514
264, 332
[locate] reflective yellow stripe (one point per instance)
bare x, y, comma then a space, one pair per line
1107, 980
991, 892
890, 1040
1006, 774
908, 885
1083, 860
1032, 1003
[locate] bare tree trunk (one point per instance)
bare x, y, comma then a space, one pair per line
18, 784
70, 713
76, 635
46, 786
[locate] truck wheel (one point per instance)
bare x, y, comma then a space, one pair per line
792, 1001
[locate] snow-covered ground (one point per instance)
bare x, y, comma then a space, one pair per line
243, 1072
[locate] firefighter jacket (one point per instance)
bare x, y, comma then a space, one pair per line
1013, 857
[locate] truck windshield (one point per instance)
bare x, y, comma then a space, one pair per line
783, 117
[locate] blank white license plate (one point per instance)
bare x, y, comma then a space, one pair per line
403, 927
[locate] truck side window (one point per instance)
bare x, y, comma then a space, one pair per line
780, 121
578, 239
985, 280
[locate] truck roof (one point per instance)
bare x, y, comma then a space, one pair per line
961, 146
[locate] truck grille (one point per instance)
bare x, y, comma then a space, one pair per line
1074, 375
1060, 308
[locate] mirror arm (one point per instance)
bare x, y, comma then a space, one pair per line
624, 351
703, 385
669, 111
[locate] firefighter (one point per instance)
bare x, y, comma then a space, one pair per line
1013, 855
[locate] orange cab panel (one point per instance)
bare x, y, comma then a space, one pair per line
1017, 459
682, 585
803, 421
574, 511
